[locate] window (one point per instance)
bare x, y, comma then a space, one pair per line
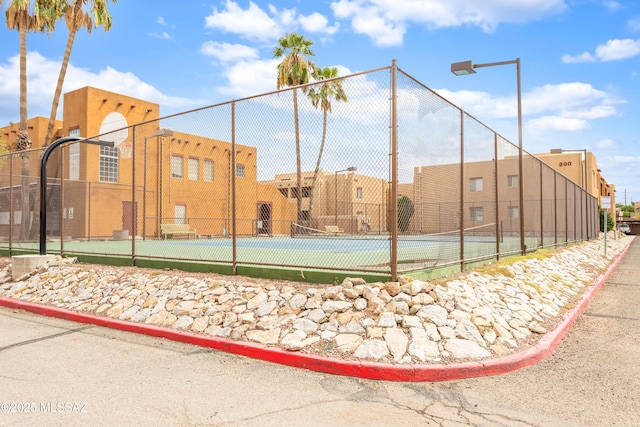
207, 171
177, 167
475, 185
108, 164
476, 213
240, 171
284, 192
74, 156
359, 193
512, 180
194, 173
306, 191
180, 214
514, 212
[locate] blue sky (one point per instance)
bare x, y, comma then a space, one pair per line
580, 61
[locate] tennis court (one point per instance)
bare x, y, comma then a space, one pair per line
313, 248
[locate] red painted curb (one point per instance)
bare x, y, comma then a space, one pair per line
361, 369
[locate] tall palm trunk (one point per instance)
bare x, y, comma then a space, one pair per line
317, 169
298, 164
23, 138
73, 29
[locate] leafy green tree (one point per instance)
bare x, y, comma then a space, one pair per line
321, 95
25, 16
406, 210
609, 221
295, 69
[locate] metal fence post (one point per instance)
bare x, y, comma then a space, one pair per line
233, 188
394, 174
462, 190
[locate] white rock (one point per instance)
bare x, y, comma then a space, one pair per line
348, 342
397, 342
468, 331
424, 349
316, 315
434, 313
269, 337
265, 309
305, 325
372, 350
387, 320
465, 349
335, 306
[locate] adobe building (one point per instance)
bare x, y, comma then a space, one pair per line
437, 190
353, 202
179, 177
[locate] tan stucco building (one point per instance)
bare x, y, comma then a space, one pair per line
353, 202
179, 177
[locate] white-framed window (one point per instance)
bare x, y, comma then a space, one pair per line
108, 164
476, 213
74, 156
475, 185
359, 193
180, 214
240, 171
194, 172
514, 212
207, 170
177, 167
512, 180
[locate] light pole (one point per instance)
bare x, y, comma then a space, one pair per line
585, 183
158, 132
467, 67
43, 181
349, 169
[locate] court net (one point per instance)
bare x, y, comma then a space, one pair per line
480, 233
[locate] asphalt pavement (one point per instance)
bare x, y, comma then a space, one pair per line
59, 373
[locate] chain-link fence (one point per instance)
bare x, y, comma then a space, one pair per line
393, 179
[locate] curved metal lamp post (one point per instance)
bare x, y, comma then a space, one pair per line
43, 181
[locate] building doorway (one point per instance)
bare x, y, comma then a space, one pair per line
264, 218
127, 222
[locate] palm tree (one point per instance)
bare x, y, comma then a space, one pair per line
22, 17
294, 70
321, 95
76, 18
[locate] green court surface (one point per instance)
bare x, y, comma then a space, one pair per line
356, 253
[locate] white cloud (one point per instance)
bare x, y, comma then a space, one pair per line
614, 50
41, 82
392, 17
607, 143
558, 123
252, 23
255, 23
564, 96
163, 35
317, 23
612, 5
583, 57
561, 107
247, 78
228, 52
634, 24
